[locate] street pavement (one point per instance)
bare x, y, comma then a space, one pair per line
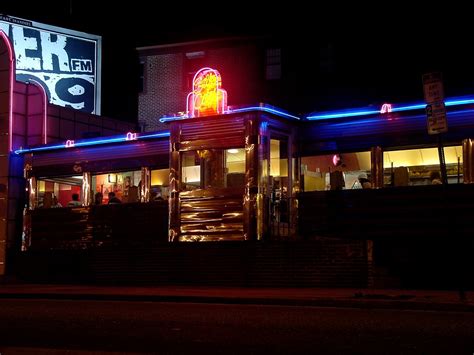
320, 297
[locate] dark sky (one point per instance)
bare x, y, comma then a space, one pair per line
380, 51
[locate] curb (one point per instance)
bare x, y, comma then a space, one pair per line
317, 302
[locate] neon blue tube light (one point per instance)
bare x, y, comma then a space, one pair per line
95, 141
240, 110
366, 112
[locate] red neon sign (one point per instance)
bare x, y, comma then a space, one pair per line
207, 97
386, 108
131, 136
11, 74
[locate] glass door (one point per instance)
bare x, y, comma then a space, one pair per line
280, 188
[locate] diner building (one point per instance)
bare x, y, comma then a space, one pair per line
246, 174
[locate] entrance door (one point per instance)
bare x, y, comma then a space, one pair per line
280, 183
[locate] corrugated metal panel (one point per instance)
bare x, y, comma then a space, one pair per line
215, 129
212, 214
105, 152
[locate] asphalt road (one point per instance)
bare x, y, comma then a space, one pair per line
52, 326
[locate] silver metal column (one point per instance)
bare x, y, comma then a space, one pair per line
468, 160
31, 186
263, 174
376, 167
175, 183
145, 185
86, 188
31, 202
251, 210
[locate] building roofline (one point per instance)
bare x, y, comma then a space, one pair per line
212, 42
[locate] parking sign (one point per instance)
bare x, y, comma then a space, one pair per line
435, 109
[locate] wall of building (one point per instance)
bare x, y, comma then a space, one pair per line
318, 263
33, 122
163, 92
65, 123
168, 78
6, 69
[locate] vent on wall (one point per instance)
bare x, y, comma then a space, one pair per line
195, 55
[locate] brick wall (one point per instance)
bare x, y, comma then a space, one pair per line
168, 80
163, 90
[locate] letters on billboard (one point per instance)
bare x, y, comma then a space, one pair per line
65, 62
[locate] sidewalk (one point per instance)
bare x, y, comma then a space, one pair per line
318, 297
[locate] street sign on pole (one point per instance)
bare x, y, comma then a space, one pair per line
434, 98
433, 87
436, 118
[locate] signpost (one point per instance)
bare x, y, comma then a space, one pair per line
434, 98
436, 114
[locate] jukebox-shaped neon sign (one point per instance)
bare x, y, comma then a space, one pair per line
207, 97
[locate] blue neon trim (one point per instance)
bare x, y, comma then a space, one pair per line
409, 108
264, 109
173, 118
365, 112
342, 115
86, 143
459, 102
238, 110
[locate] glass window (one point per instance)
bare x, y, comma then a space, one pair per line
125, 186
212, 168
235, 167
59, 191
159, 184
415, 166
190, 171
334, 171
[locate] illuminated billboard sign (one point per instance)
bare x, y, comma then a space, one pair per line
65, 62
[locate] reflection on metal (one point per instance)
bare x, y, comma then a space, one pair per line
145, 184
251, 212
26, 233
32, 201
468, 161
212, 214
263, 174
217, 212
175, 182
376, 166
86, 188
296, 166
30, 184
96, 226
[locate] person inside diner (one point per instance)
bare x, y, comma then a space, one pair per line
113, 199
75, 201
364, 181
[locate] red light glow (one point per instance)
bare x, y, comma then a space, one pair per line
386, 108
12, 71
131, 136
207, 97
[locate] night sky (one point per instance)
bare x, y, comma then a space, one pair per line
379, 53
